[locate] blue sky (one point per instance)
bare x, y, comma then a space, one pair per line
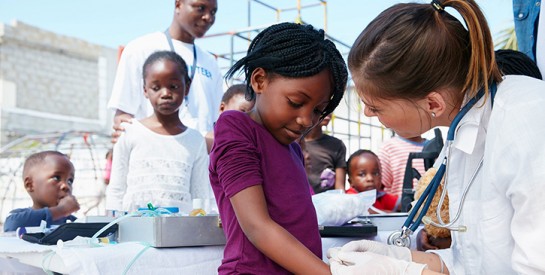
115, 22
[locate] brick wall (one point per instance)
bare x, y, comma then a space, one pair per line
51, 82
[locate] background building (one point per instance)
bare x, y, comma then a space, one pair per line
50, 82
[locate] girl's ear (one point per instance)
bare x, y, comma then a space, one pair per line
222, 106
258, 80
145, 92
28, 184
187, 86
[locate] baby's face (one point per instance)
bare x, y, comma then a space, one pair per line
364, 173
51, 181
239, 103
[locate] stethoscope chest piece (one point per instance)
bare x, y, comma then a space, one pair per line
396, 239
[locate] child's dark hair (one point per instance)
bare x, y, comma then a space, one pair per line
294, 51
166, 55
357, 154
38, 158
517, 63
236, 89
412, 49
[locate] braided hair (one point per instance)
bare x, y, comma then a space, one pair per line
294, 51
517, 63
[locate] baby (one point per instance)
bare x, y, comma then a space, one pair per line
48, 178
363, 169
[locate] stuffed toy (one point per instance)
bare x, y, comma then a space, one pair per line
434, 232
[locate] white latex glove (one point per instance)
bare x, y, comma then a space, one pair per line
332, 252
356, 263
397, 252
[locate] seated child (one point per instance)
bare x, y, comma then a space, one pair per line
363, 169
48, 178
158, 159
233, 99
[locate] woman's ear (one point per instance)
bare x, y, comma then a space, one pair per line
258, 80
436, 103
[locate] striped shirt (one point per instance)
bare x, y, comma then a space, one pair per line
393, 160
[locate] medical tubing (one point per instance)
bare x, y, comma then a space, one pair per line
112, 223
150, 213
146, 247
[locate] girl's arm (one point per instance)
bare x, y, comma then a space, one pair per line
118, 176
340, 178
200, 181
270, 238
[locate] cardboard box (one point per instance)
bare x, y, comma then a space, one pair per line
172, 231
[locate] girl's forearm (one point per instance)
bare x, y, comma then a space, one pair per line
284, 249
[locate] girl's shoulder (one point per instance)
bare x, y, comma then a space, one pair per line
233, 117
192, 134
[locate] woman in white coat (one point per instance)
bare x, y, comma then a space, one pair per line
415, 66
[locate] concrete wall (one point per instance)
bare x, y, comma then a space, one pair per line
50, 82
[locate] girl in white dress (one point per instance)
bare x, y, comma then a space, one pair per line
158, 159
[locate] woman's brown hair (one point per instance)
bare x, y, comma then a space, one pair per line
412, 49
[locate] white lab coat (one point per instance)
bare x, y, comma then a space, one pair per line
504, 210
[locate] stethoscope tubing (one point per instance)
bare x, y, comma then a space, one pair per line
411, 225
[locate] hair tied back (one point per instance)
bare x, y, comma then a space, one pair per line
437, 6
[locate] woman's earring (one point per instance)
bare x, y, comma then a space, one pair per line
433, 114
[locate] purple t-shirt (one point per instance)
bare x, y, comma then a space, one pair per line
246, 154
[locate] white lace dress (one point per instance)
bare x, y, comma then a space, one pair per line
162, 169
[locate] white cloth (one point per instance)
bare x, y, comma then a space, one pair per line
504, 210
204, 95
114, 259
540, 41
162, 169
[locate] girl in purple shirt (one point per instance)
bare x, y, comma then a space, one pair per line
297, 77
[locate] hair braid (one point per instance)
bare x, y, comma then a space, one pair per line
294, 51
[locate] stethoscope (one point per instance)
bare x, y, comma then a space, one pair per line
402, 237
